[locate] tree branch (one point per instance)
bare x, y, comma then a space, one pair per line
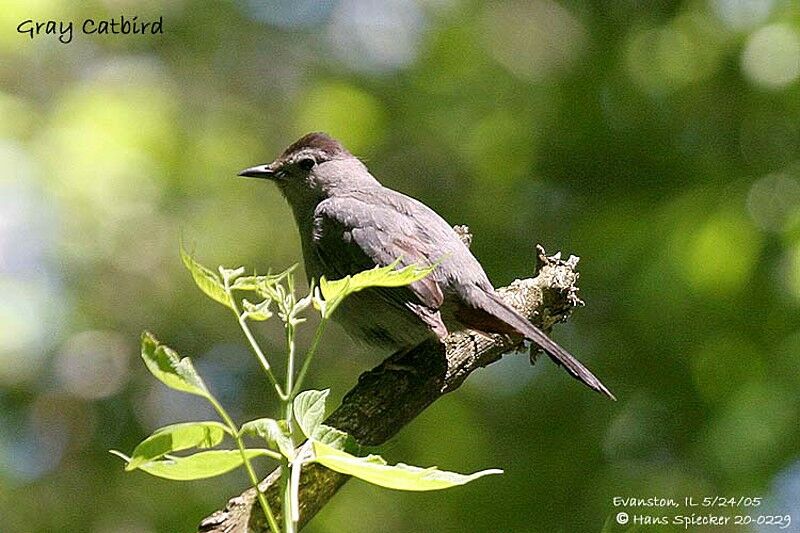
395, 392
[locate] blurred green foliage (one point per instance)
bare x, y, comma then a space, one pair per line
658, 141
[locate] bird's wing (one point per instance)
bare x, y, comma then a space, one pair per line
374, 227
367, 228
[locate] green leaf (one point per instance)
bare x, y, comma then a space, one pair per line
230, 274
208, 281
273, 432
177, 437
252, 283
331, 436
309, 410
170, 369
389, 276
375, 470
200, 465
259, 311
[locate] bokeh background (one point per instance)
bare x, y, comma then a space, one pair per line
660, 141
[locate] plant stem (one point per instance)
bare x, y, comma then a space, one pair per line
289, 518
273, 523
259, 354
286, 484
309, 356
294, 480
290, 470
289, 388
252, 340
285, 400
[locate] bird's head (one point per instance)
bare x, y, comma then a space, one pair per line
311, 168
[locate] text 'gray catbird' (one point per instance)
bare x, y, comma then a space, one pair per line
349, 222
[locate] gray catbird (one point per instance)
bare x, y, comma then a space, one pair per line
349, 222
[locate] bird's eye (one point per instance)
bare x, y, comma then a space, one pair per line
306, 163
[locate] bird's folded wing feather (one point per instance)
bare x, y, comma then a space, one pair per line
364, 229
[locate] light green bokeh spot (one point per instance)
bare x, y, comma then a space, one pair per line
720, 253
793, 271
677, 54
501, 146
109, 141
349, 114
750, 436
20, 118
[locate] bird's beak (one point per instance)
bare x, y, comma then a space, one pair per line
259, 171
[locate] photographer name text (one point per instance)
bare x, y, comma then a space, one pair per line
64, 30
692, 512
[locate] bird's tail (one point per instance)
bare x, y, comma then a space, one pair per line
512, 322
